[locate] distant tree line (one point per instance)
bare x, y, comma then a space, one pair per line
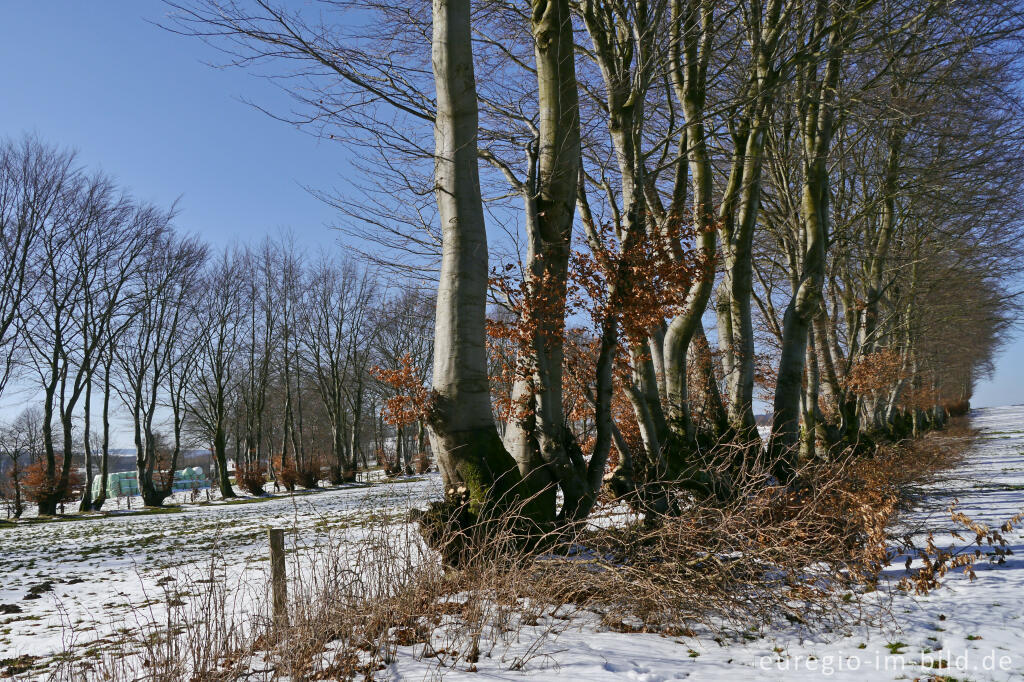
261, 353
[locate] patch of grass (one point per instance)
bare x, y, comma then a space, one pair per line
896, 648
93, 516
940, 664
10, 667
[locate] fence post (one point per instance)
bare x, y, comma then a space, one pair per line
277, 575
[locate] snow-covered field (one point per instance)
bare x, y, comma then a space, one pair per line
70, 582
92, 577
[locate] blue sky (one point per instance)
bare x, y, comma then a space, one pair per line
145, 106
1006, 387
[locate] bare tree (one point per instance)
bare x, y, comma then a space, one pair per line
155, 356
21, 443
33, 183
89, 252
406, 335
216, 353
336, 337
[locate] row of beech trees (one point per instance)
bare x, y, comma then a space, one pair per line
107, 312
691, 204
669, 209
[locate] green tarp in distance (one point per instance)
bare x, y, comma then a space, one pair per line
126, 483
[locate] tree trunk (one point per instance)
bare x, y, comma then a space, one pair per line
220, 454
354, 440
475, 465
47, 504
100, 499
816, 129
708, 400
542, 446
86, 503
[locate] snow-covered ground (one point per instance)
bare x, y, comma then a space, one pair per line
963, 631
67, 583
92, 577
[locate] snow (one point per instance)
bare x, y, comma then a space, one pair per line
109, 573
118, 571
965, 630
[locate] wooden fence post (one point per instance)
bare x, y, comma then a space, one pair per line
277, 575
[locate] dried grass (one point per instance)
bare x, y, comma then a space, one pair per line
809, 554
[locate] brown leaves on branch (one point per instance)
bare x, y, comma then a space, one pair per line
628, 286
875, 372
987, 543
409, 403
639, 282
38, 485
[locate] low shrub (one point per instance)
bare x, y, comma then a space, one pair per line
308, 476
38, 485
286, 474
251, 476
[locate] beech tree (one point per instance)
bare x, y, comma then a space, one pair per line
217, 352
338, 331
156, 356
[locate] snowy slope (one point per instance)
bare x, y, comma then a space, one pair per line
963, 630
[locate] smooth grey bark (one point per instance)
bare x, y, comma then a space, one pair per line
623, 48
816, 86
540, 442
472, 459
739, 211
692, 37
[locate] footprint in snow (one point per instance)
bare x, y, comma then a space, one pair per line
635, 672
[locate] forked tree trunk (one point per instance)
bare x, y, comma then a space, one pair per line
816, 128
540, 443
475, 465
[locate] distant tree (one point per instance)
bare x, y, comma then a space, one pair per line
216, 359
156, 354
338, 331
21, 444
403, 352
